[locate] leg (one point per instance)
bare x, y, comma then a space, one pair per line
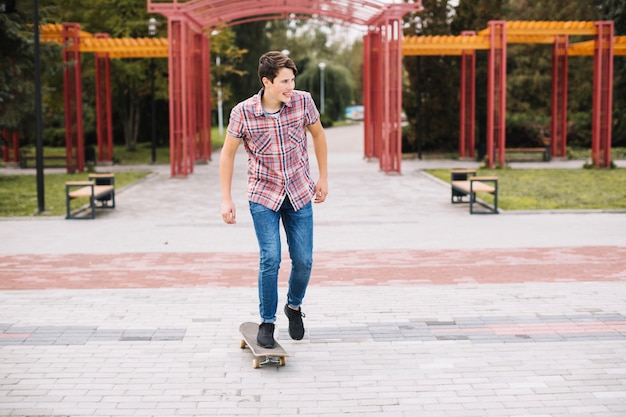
299, 230
266, 226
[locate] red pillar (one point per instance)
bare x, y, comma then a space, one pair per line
368, 130
602, 116
10, 146
468, 101
558, 140
74, 148
203, 125
179, 134
496, 94
192, 76
383, 111
373, 102
104, 123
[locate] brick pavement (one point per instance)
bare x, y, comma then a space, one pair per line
415, 307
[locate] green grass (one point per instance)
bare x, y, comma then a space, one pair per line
143, 154
555, 189
18, 193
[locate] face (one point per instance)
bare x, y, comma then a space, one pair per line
282, 87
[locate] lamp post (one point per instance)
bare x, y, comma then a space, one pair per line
41, 205
152, 26
220, 108
322, 66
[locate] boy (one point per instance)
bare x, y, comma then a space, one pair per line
272, 126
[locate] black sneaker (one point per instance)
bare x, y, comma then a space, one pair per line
265, 337
296, 327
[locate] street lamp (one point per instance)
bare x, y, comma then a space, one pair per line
220, 108
322, 66
152, 27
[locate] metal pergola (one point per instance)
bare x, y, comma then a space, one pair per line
494, 39
187, 48
189, 23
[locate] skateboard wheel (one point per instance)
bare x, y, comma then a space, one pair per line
282, 361
256, 363
243, 344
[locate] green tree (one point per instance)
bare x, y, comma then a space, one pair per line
251, 37
229, 56
17, 100
475, 15
529, 75
308, 44
16, 69
338, 88
430, 96
615, 10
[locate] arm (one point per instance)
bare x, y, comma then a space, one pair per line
321, 154
227, 164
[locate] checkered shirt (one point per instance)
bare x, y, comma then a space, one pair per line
278, 160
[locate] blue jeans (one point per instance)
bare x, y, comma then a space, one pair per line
298, 227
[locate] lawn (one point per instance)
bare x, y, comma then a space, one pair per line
555, 189
18, 193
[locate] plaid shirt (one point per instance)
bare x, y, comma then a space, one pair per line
278, 160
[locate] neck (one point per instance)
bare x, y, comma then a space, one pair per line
271, 106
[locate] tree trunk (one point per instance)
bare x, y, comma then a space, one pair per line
131, 121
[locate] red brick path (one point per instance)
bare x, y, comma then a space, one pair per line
406, 267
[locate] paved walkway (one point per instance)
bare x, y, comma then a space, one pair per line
415, 307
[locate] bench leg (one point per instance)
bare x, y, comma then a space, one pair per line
67, 203
92, 203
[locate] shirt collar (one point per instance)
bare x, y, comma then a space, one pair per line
258, 105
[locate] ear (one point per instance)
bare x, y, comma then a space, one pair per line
265, 81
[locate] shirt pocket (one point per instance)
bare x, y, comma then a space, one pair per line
297, 138
263, 145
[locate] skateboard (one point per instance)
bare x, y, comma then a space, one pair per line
262, 356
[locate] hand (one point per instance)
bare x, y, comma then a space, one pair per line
321, 191
229, 212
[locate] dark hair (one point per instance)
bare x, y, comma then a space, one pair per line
272, 62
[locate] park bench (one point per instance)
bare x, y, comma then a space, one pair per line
99, 189
544, 151
465, 183
48, 160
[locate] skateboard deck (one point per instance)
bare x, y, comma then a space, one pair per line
262, 356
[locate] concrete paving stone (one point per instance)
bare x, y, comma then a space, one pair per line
534, 310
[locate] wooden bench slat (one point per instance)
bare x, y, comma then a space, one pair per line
98, 190
477, 187
92, 190
525, 150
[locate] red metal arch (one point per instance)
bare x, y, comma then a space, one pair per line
382, 73
213, 13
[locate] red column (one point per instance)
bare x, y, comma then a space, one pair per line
204, 102
558, 140
179, 133
104, 121
468, 101
375, 93
602, 116
75, 154
368, 131
10, 146
496, 94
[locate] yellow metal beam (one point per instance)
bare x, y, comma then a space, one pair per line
53, 32
127, 47
587, 48
546, 28
517, 32
115, 47
442, 45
